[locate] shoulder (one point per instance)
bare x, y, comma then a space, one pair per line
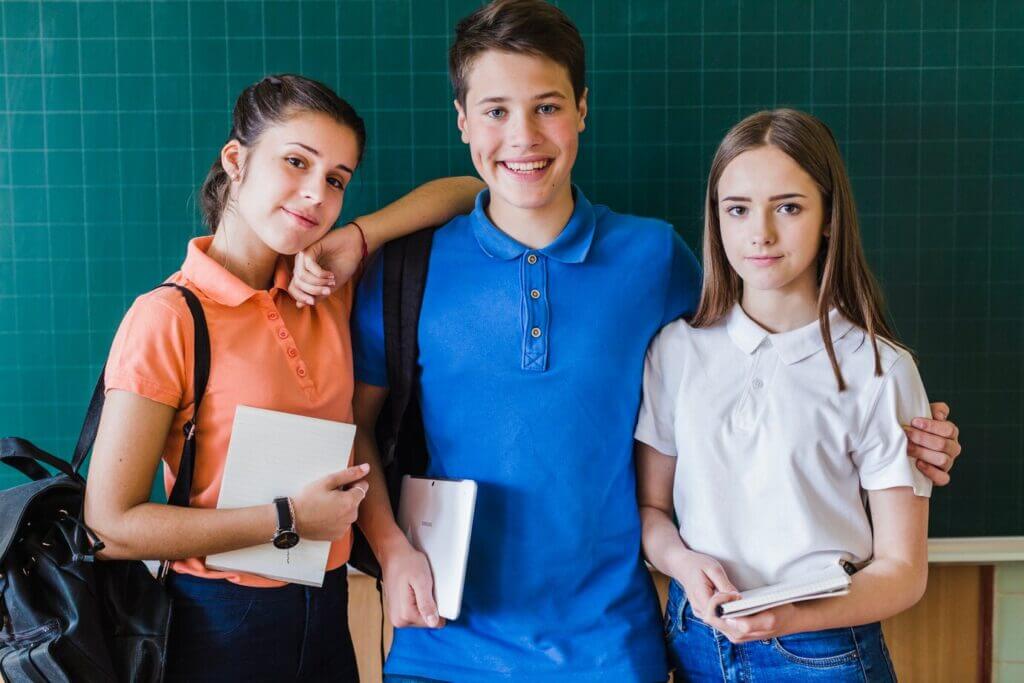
643, 229
162, 308
679, 339
855, 349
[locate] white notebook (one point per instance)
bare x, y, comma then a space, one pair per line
436, 516
274, 454
826, 583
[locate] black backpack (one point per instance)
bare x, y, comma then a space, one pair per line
66, 616
399, 429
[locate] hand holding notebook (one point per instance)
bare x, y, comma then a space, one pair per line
826, 583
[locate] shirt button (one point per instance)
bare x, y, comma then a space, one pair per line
535, 332
292, 352
272, 316
534, 294
531, 259
757, 383
301, 372
282, 333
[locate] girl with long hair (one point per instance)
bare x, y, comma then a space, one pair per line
774, 420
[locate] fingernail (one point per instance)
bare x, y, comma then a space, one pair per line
432, 620
364, 467
918, 422
326, 291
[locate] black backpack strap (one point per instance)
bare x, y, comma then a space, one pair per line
200, 374
25, 457
405, 279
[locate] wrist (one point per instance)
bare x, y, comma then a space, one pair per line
368, 236
392, 545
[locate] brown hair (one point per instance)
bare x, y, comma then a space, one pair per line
532, 27
272, 100
844, 279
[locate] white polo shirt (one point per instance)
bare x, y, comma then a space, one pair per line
773, 460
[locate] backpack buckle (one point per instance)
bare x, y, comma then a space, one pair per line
189, 429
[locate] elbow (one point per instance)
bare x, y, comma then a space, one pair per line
109, 527
918, 585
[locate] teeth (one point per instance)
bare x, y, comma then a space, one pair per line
525, 167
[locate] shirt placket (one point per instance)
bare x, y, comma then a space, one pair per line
534, 311
285, 341
756, 387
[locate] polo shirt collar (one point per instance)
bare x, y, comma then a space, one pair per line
217, 282
793, 346
571, 245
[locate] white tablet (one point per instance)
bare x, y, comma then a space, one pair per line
436, 516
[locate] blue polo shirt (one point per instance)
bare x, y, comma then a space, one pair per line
531, 362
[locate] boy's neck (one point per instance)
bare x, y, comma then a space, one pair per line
535, 228
237, 248
781, 310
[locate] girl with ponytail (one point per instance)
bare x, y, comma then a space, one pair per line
276, 188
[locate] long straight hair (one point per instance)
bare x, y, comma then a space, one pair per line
845, 281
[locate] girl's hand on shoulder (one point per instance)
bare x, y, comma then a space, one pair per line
325, 265
702, 578
771, 623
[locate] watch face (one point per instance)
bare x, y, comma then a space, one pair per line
286, 539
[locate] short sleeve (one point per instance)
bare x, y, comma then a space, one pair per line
683, 292
662, 372
368, 353
881, 454
151, 351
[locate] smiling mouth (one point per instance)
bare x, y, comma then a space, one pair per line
305, 220
526, 167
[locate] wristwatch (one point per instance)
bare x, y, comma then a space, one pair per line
286, 536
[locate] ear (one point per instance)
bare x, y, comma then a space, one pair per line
232, 159
461, 121
581, 106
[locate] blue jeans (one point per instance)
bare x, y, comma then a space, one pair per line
700, 653
221, 631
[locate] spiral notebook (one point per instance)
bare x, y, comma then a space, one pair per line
827, 583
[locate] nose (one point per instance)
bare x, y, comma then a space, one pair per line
762, 229
525, 132
313, 188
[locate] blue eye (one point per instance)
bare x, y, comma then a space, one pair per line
496, 113
547, 108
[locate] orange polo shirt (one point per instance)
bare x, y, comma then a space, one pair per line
265, 353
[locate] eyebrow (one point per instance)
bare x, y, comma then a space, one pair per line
543, 96
775, 198
314, 152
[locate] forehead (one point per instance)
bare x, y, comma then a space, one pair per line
335, 141
764, 171
494, 73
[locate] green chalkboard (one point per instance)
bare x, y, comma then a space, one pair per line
110, 113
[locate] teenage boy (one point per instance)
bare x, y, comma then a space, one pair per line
536, 315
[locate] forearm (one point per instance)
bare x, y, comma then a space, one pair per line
433, 203
882, 589
154, 531
661, 542
376, 518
